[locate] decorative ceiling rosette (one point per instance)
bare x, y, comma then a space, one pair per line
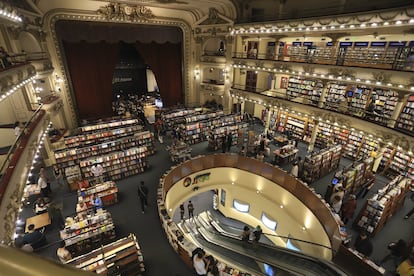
388, 15
343, 19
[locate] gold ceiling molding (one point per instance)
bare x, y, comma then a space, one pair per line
343, 19
308, 69
364, 17
410, 12
325, 21
294, 24
308, 22
381, 76
388, 15
117, 11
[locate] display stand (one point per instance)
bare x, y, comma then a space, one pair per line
107, 192
381, 207
122, 257
83, 235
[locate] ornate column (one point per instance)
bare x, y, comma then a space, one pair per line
277, 39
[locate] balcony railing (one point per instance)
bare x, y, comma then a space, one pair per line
381, 62
8, 61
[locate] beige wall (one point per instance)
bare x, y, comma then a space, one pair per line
291, 218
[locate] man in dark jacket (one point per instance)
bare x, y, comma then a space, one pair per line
363, 244
398, 252
143, 196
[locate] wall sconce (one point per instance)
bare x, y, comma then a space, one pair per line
196, 73
58, 83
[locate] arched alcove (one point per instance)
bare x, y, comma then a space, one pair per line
214, 47
29, 43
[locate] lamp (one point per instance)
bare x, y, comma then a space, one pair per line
196, 73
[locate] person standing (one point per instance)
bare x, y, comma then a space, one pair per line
229, 141
143, 196
96, 201
295, 169
409, 213
190, 208
224, 143
245, 235
363, 244
300, 167
58, 175
182, 211
348, 208
257, 233
200, 265
399, 251
62, 253
42, 184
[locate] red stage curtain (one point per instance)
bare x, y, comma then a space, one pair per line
165, 61
91, 67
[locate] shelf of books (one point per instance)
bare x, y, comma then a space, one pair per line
340, 134
354, 143
324, 135
117, 164
296, 125
109, 124
310, 89
176, 117
369, 144
85, 140
396, 161
323, 55
335, 94
355, 175
195, 128
281, 121
385, 103
237, 129
358, 97
381, 207
121, 257
321, 163
83, 234
405, 121
107, 191
69, 157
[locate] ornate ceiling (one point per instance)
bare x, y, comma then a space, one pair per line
240, 11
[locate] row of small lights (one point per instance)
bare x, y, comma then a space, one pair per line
323, 76
10, 15
273, 29
313, 117
35, 161
16, 87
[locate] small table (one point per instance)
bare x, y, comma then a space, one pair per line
39, 221
281, 140
283, 159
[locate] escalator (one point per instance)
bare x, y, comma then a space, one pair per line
268, 259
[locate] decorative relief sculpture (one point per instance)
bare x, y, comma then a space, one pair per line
117, 11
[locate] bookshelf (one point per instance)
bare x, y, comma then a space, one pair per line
396, 161
195, 128
358, 97
381, 207
107, 191
297, 125
82, 235
117, 164
405, 121
354, 144
385, 103
310, 89
121, 257
336, 93
368, 145
107, 125
176, 117
324, 135
340, 134
321, 163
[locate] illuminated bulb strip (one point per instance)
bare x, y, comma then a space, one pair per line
287, 28
34, 161
10, 16
15, 88
322, 76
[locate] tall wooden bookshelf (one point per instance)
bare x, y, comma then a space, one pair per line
381, 207
405, 121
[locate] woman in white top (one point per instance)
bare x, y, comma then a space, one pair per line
62, 253
42, 183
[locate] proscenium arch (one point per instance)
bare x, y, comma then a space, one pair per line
242, 178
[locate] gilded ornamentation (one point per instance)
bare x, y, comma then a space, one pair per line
117, 11
308, 69
343, 19
388, 15
364, 17
381, 76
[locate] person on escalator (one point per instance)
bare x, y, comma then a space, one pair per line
245, 236
257, 233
